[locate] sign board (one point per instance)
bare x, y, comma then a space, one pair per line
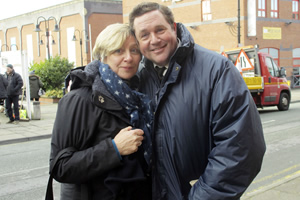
271, 33
242, 62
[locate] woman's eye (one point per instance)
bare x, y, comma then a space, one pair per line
135, 51
118, 51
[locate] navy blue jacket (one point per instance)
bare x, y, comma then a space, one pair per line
206, 127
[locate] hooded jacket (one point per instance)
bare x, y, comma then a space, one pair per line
35, 84
87, 118
3, 85
206, 126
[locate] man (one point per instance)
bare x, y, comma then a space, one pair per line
206, 125
15, 84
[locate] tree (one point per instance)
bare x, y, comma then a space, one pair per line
52, 73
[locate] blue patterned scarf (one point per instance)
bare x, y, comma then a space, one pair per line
136, 105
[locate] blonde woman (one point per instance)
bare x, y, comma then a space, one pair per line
107, 122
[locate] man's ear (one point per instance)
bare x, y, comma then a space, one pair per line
175, 27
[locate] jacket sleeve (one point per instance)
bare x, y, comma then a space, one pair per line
237, 137
19, 83
5, 82
77, 121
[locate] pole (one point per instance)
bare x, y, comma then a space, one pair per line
81, 50
239, 24
48, 50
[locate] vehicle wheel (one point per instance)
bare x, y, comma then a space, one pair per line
284, 102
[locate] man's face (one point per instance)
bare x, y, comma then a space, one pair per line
156, 37
8, 70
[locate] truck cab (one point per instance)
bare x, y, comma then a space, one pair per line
266, 81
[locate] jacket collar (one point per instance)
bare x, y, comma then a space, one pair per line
90, 77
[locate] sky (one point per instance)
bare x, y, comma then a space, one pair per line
11, 8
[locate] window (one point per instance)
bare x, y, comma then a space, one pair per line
274, 8
261, 8
13, 45
272, 52
296, 57
295, 9
269, 64
206, 12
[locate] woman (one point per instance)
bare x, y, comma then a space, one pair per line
35, 84
106, 122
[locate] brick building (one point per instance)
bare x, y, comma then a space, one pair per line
274, 25
82, 18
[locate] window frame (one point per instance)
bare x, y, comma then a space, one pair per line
274, 12
261, 8
296, 57
206, 10
268, 50
295, 13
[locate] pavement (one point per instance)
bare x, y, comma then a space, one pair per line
28, 130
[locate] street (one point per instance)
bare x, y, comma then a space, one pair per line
282, 160
24, 166
24, 170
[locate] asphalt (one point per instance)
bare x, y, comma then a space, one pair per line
28, 130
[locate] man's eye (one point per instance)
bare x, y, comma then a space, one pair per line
144, 35
160, 30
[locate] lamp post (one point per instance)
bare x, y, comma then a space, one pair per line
239, 24
37, 29
80, 40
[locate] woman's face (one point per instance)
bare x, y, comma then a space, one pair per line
125, 61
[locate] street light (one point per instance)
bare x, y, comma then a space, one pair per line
37, 29
5, 46
12, 46
80, 40
42, 43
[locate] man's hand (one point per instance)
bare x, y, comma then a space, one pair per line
128, 140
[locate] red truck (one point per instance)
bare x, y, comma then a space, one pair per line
266, 81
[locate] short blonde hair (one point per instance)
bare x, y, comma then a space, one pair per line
110, 39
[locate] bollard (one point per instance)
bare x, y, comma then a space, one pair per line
36, 110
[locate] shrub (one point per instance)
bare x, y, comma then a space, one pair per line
52, 73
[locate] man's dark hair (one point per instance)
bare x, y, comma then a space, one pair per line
146, 7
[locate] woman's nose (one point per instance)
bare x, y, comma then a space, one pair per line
128, 56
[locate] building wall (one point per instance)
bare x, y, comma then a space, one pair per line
84, 16
216, 35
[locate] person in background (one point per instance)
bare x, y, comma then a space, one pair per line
3, 92
15, 84
35, 84
208, 139
108, 123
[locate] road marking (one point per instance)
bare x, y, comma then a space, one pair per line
274, 183
270, 121
24, 171
276, 174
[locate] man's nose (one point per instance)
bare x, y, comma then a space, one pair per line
154, 38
